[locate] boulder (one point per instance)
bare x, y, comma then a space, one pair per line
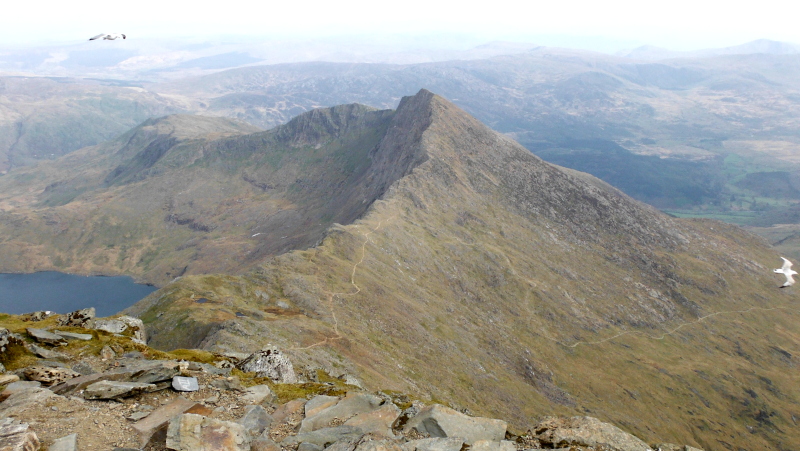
153, 428
255, 420
136, 326
257, 394
377, 423
48, 376
111, 326
9, 339
319, 403
439, 421
269, 363
151, 371
23, 398
349, 406
67, 443
116, 390
37, 316
190, 432
586, 431
46, 337
434, 444
16, 436
78, 318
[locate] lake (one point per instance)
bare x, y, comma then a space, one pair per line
64, 293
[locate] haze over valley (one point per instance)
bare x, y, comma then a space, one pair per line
513, 224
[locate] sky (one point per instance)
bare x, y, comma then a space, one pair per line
677, 24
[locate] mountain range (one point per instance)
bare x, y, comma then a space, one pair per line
421, 251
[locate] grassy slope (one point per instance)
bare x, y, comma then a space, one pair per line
189, 195
491, 280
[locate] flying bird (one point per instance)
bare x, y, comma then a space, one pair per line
108, 37
787, 271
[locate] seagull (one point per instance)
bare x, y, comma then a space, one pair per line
787, 271
108, 37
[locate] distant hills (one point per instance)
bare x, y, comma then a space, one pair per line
760, 46
683, 134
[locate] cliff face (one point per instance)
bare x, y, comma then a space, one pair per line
487, 277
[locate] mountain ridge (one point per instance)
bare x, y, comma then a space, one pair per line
453, 285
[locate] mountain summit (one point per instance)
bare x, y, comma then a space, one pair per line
471, 271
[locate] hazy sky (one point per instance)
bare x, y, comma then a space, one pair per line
677, 24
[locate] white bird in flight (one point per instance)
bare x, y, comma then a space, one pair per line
108, 37
787, 271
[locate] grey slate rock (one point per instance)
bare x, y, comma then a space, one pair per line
434, 444
325, 436
378, 445
230, 383
110, 325
151, 371
67, 443
16, 436
190, 432
46, 337
83, 368
439, 421
20, 400
46, 353
116, 390
349, 406
74, 336
255, 420
319, 403
210, 369
181, 383
586, 431
257, 394
489, 445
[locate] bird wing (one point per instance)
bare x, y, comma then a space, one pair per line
789, 281
786, 264
97, 37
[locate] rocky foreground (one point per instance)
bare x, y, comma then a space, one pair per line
75, 382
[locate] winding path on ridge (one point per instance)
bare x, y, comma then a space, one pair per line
337, 335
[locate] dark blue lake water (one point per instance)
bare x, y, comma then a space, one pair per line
64, 293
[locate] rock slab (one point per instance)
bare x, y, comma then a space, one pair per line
440, 421
586, 431
68, 443
190, 432
17, 436
116, 390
